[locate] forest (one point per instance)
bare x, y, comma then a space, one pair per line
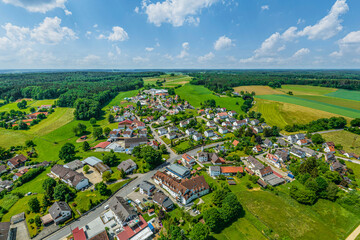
86, 91
220, 81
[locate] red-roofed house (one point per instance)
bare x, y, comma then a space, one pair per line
257, 149
17, 161
79, 234
228, 171
329, 147
235, 143
222, 115
124, 124
130, 232
35, 115
101, 145
187, 159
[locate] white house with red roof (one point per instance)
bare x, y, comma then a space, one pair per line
187, 159
222, 115
329, 147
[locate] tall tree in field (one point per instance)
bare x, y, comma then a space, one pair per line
67, 152
34, 205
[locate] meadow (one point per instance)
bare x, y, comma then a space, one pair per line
327, 107
195, 94
30, 104
281, 114
346, 94
170, 81
350, 141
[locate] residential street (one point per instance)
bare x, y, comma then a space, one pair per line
82, 221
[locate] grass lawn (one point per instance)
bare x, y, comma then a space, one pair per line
35, 185
20, 206
7, 202
346, 94
350, 141
166, 140
356, 168
196, 94
308, 90
348, 112
147, 218
282, 114
30, 104
120, 98
182, 146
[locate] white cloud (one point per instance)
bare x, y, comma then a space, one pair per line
328, 26
14, 36
290, 34
350, 44
301, 52
137, 10
300, 21
67, 12
222, 43
175, 12
88, 60
140, 59
95, 26
149, 49
206, 57
41, 6
118, 34
50, 32
184, 52
265, 7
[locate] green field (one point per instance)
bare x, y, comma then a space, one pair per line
281, 114
344, 111
170, 81
356, 168
344, 103
196, 94
305, 89
30, 104
350, 141
346, 94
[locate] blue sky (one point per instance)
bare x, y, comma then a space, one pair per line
136, 34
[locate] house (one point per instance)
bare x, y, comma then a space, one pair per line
294, 138
267, 175
330, 157
101, 146
138, 124
216, 160
184, 123
222, 115
70, 177
210, 124
74, 165
223, 130
297, 152
102, 168
214, 171
187, 159
230, 171
282, 142
173, 129
190, 131
92, 161
142, 133
124, 124
154, 144
3, 169
351, 155
185, 191
274, 159
5, 231
123, 212
171, 135
162, 131
240, 123
178, 171
303, 142
128, 134
210, 116
209, 133
232, 113
268, 143
205, 157
254, 164
338, 167
257, 149
235, 143
163, 201
329, 147
197, 137
60, 212
282, 155
258, 129
128, 166
78, 234
309, 152
17, 161
146, 188
254, 122
226, 124
6, 184
264, 172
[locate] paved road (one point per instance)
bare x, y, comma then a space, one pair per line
354, 234
82, 221
329, 131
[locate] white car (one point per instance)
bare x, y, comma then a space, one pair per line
137, 201
106, 207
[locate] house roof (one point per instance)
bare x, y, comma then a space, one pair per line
129, 232
267, 141
91, 160
235, 143
79, 234
215, 168
258, 165
146, 185
102, 145
187, 157
56, 209
101, 236
68, 175
4, 230
181, 170
121, 208
126, 165
18, 159
76, 164
266, 170
231, 169
101, 167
